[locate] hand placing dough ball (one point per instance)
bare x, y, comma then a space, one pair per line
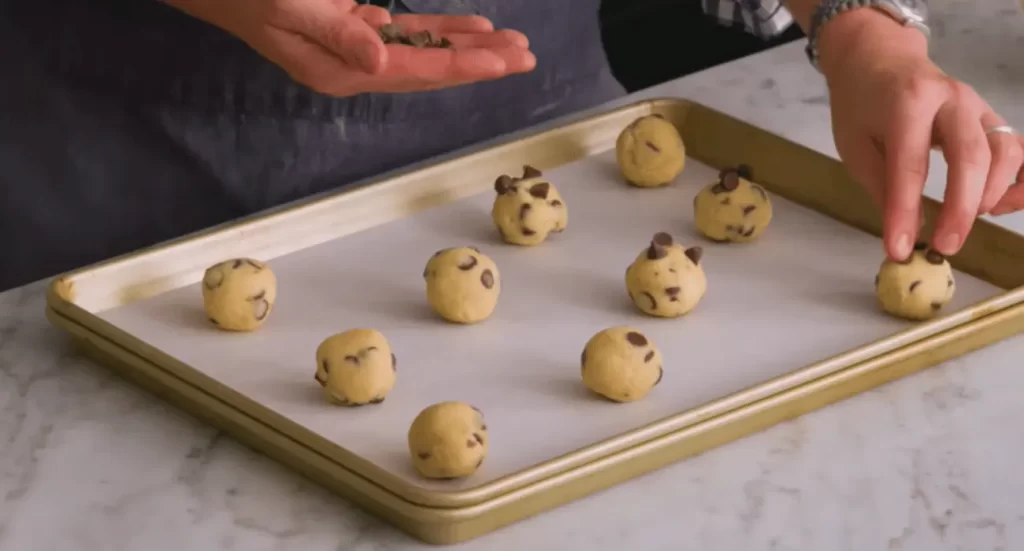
239, 294
463, 284
527, 209
733, 209
666, 280
917, 288
448, 440
621, 364
356, 367
650, 152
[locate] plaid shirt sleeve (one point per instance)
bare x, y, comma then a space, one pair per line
761, 18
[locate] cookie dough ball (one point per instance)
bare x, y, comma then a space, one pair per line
650, 152
666, 280
448, 440
463, 284
356, 367
239, 294
527, 209
917, 288
733, 209
621, 364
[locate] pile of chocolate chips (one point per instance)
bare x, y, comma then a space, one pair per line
393, 34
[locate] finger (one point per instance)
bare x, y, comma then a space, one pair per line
863, 159
375, 16
1012, 200
497, 39
443, 24
1007, 156
436, 65
308, 62
349, 37
907, 145
968, 158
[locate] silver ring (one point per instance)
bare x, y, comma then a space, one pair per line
1002, 129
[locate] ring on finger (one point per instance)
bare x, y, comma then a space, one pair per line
1001, 129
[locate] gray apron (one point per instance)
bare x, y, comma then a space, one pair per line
124, 123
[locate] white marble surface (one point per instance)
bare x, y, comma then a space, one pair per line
89, 462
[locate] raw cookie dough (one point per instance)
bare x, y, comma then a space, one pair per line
463, 284
356, 367
527, 209
650, 152
666, 280
448, 440
239, 294
621, 364
917, 288
733, 208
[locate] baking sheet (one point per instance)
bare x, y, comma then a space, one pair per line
800, 294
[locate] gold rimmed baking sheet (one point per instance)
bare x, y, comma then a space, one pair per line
793, 308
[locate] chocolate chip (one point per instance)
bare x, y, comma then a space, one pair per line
478, 438
649, 356
501, 232
694, 254
745, 172
476, 409
673, 270
726, 201
487, 278
920, 246
540, 190
213, 321
444, 43
718, 189
327, 367
468, 264
876, 281
394, 362
748, 209
421, 39
652, 147
503, 184
749, 232
663, 239
934, 257
730, 181
423, 455
524, 210
352, 359
260, 309
654, 303
656, 252
236, 264
556, 203
583, 358
377, 400
658, 116
661, 373
760, 191
636, 339
481, 462
527, 231
949, 282
470, 443
391, 31
254, 264
936, 305
914, 285
530, 172
673, 291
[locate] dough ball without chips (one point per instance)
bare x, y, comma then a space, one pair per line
463, 284
917, 288
621, 364
356, 367
528, 209
448, 440
665, 279
239, 294
733, 209
650, 152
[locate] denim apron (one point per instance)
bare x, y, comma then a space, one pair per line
124, 123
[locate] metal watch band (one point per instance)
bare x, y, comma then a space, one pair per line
829, 9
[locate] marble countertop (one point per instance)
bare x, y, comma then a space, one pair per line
88, 462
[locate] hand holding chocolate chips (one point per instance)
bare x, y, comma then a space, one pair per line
393, 34
666, 280
917, 288
527, 209
732, 209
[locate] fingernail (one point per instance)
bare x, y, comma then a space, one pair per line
903, 246
948, 244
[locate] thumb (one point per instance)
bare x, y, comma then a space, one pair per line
349, 37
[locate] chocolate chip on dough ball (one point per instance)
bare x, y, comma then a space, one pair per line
527, 209
463, 284
356, 367
733, 209
917, 288
621, 364
239, 294
448, 440
666, 280
650, 152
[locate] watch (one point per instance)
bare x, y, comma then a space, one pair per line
909, 13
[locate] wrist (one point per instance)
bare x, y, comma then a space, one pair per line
866, 34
